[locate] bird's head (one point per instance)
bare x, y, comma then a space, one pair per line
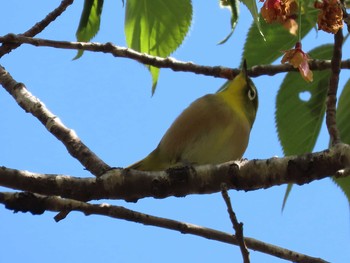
242, 94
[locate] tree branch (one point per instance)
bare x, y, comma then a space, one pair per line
38, 204
215, 71
333, 88
131, 185
238, 227
38, 27
53, 124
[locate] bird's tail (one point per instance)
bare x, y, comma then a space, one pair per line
151, 163
136, 166
155, 161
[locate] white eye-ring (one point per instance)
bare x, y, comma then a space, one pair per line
251, 94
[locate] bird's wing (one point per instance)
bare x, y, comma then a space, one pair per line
207, 123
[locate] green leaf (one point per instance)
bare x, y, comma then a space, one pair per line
89, 22
343, 123
278, 39
233, 5
286, 195
300, 109
299, 120
156, 27
253, 9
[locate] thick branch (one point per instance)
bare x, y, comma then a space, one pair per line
38, 27
53, 124
216, 71
37, 204
333, 88
132, 185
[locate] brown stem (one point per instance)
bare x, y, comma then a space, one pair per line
333, 88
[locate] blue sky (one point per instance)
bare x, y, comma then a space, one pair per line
108, 102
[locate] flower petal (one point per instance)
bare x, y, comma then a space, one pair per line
305, 71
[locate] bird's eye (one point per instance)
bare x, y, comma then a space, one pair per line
251, 94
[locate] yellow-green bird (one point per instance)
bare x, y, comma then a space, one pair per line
213, 129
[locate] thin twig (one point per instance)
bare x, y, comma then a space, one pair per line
176, 65
333, 88
237, 226
37, 204
53, 124
38, 27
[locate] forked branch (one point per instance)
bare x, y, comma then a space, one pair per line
132, 185
38, 27
53, 124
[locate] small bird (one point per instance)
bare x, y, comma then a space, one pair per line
213, 129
